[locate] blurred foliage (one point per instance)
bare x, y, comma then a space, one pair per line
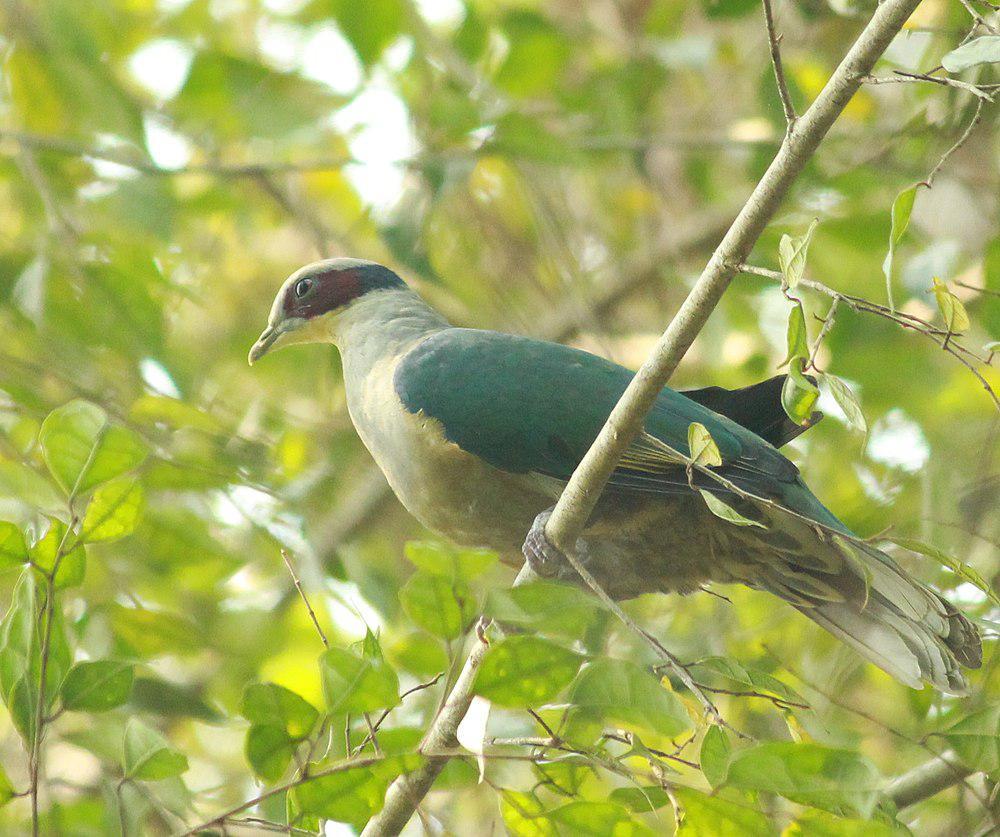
542, 166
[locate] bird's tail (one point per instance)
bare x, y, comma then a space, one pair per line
862, 596
932, 648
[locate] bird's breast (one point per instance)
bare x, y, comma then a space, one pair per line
446, 488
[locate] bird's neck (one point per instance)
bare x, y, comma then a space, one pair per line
381, 325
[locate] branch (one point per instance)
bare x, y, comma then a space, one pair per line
983, 91
976, 117
928, 779
406, 792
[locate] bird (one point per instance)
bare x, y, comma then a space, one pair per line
477, 433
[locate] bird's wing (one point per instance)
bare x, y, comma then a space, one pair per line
756, 407
528, 406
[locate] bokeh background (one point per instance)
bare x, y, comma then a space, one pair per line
544, 167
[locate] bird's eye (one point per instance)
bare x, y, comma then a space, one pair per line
303, 286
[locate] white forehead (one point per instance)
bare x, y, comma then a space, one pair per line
323, 265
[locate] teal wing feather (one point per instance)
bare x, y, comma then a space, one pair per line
529, 406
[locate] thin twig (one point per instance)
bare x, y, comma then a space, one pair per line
975, 89
305, 598
941, 337
773, 42
979, 19
340, 767
977, 288
828, 321
977, 116
385, 712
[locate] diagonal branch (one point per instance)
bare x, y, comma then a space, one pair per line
584, 488
927, 779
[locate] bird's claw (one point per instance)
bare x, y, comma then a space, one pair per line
544, 557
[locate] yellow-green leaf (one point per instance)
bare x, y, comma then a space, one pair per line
902, 206
722, 509
798, 393
113, 512
83, 449
702, 446
13, 550
956, 318
792, 254
525, 671
847, 401
796, 336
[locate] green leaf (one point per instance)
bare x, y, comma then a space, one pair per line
154, 694
796, 337
716, 750
22, 703
24, 484
268, 704
713, 816
525, 816
536, 57
642, 800
7, 792
792, 254
82, 449
353, 683
61, 552
545, 606
21, 644
13, 550
147, 755
722, 509
982, 50
439, 606
625, 693
847, 401
728, 8
525, 671
839, 781
97, 686
269, 751
961, 569
956, 318
976, 739
448, 561
20, 640
751, 678
354, 794
798, 393
598, 819
902, 206
113, 512
820, 824
232, 96
370, 27
702, 446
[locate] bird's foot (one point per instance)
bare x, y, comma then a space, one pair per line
543, 556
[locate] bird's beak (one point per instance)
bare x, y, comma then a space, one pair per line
264, 343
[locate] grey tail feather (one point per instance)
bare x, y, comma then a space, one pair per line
911, 650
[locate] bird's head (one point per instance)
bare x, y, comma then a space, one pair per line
316, 294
